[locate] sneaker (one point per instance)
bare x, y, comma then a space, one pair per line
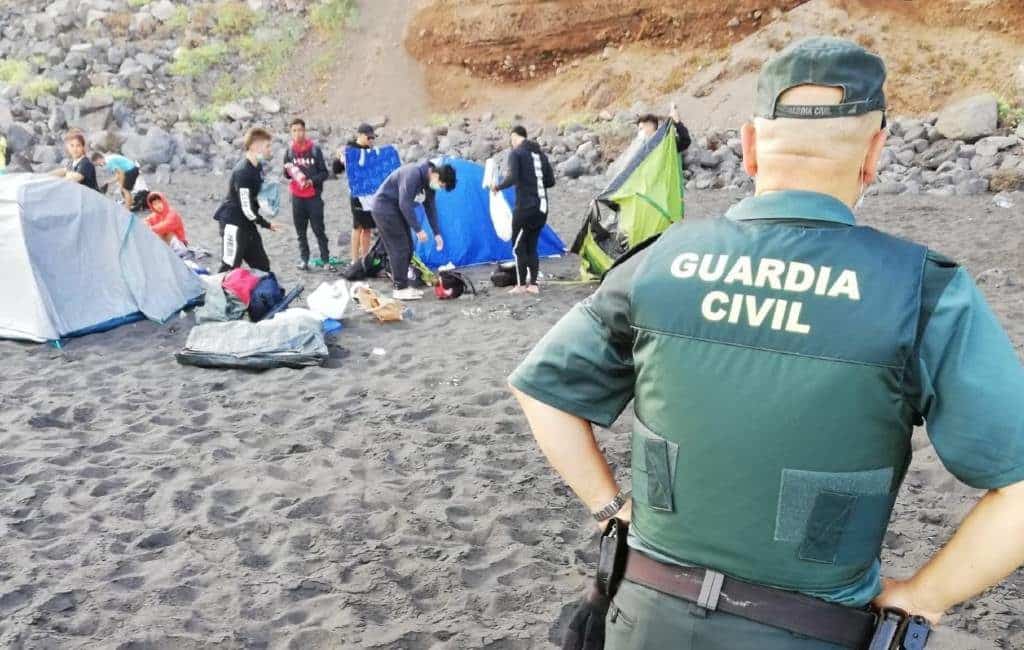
407, 294
316, 263
336, 261
302, 265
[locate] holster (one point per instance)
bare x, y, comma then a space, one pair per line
897, 630
586, 629
611, 563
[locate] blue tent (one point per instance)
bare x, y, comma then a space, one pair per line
465, 219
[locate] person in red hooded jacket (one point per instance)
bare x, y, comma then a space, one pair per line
304, 165
165, 220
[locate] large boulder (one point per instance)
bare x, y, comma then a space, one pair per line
162, 10
572, 168
106, 140
939, 153
969, 119
20, 138
270, 105
236, 112
1007, 180
154, 148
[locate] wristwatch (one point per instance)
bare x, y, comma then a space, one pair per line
612, 508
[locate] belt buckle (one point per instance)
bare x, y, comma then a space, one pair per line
710, 590
890, 627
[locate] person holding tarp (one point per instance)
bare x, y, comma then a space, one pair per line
394, 212
778, 359
362, 219
530, 173
239, 214
648, 125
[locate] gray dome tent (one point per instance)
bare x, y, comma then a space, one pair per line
76, 262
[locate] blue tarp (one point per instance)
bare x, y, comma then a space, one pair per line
367, 168
465, 219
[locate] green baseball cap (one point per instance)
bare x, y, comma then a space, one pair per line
822, 61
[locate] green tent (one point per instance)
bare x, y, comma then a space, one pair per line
644, 198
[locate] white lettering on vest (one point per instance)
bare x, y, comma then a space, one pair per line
766, 273
707, 308
846, 285
685, 265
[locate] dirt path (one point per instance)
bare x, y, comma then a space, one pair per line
367, 74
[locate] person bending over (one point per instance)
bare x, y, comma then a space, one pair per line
394, 212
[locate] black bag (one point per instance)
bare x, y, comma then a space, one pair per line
140, 201
586, 629
504, 275
451, 284
370, 266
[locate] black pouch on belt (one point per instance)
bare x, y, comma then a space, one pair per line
586, 629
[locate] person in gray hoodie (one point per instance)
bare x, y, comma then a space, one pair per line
394, 211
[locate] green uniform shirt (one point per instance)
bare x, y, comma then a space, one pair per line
964, 378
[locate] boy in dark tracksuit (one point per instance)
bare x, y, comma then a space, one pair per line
530, 173
304, 165
394, 212
239, 214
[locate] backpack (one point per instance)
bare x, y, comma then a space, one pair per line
370, 266
451, 285
504, 275
267, 295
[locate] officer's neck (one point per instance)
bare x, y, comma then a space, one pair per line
823, 183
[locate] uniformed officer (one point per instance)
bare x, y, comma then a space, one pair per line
778, 359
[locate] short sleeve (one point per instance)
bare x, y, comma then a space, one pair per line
968, 382
584, 365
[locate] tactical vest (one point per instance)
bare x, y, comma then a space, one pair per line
772, 432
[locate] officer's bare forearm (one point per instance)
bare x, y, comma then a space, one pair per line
985, 549
568, 442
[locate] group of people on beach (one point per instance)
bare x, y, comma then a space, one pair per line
390, 211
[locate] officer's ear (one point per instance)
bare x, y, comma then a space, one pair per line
748, 135
874, 154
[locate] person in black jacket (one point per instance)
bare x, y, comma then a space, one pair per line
530, 173
362, 218
79, 168
304, 165
649, 123
239, 214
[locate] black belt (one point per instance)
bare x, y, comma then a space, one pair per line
797, 613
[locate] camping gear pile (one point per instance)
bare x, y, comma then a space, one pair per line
77, 263
223, 338
645, 197
292, 339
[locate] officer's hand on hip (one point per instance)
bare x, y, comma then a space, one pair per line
901, 595
422, 236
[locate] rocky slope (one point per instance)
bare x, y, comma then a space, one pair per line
175, 85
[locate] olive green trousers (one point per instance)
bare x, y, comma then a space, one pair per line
643, 618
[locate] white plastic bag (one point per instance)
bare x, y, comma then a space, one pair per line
501, 213
330, 299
